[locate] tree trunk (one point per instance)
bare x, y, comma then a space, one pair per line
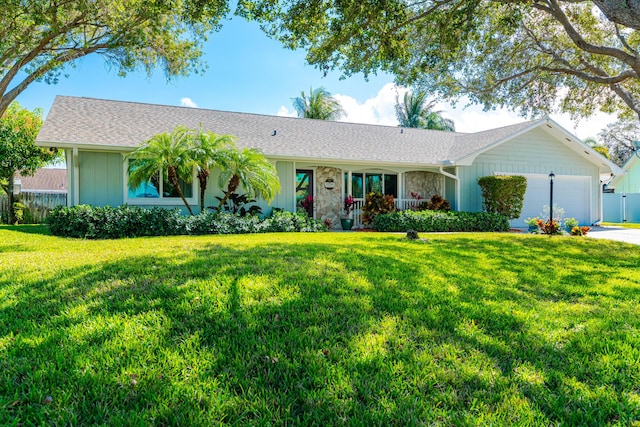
173, 179
626, 12
203, 176
11, 217
234, 182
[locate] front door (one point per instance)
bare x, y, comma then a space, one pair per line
304, 190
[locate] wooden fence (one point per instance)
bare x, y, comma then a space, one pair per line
38, 204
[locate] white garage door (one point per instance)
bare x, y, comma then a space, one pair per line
571, 193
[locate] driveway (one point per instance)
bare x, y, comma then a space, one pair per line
629, 235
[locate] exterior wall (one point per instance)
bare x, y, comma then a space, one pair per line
427, 184
328, 202
630, 181
100, 178
535, 152
286, 199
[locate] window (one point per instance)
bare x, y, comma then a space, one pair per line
159, 191
362, 183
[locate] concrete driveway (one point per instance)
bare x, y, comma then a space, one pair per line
629, 235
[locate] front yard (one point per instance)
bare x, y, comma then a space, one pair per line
318, 329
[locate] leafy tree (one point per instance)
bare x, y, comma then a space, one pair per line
171, 154
600, 148
618, 137
249, 169
318, 105
209, 151
531, 56
39, 37
415, 112
18, 130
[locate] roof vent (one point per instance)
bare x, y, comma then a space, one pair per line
586, 152
401, 130
275, 132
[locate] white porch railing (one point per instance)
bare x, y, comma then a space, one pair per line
401, 205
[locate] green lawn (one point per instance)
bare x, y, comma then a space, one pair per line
621, 224
319, 329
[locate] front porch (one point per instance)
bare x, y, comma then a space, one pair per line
329, 186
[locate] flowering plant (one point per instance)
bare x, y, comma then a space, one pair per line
307, 202
348, 204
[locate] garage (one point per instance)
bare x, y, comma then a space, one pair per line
570, 193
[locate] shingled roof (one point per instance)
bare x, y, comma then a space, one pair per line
51, 180
88, 122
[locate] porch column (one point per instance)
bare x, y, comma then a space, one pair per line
401, 185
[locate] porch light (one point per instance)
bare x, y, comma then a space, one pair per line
552, 176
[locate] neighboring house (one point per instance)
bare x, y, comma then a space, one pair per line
629, 180
622, 203
329, 160
45, 180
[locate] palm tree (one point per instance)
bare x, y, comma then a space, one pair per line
169, 153
318, 105
248, 169
415, 112
209, 150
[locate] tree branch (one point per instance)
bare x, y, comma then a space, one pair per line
556, 11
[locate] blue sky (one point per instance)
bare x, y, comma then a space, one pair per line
248, 72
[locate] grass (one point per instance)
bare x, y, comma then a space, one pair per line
620, 224
319, 329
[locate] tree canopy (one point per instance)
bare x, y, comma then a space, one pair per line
18, 153
545, 55
38, 38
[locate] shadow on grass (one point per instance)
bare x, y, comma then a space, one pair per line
456, 331
28, 229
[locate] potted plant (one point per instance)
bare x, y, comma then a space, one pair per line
347, 221
532, 223
569, 223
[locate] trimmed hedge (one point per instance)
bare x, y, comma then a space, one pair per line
431, 221
503, 194
89, 222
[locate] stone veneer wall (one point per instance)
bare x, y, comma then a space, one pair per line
329, 202
427, 184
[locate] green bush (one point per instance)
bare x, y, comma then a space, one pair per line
376, 204
431, 221
132, 221
503, 194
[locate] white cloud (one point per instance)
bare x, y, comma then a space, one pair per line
379, 110
188, 102
284, 112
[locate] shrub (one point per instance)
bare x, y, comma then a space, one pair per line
439, 203
548, 227
431, 221
503, 194
131, 221
287, 221
376, 204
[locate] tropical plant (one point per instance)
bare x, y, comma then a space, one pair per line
348, 205
415, 112
209, 150
18, 130
249, 169
376, 204
170, 154
319, 104
238, 204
